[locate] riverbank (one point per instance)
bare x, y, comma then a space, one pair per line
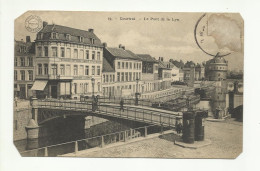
226, 138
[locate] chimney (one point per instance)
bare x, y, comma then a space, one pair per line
44, 23
28, 39
105, 44
22, 40
120, 46
91, 30
123, 47
160, 58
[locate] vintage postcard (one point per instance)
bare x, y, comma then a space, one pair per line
128, 84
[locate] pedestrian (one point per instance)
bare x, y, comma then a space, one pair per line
122, 104
179, 127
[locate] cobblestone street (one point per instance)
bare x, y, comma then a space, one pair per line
226, 138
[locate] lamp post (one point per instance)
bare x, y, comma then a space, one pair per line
136, 94
93, 84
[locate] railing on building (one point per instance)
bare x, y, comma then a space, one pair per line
74, 147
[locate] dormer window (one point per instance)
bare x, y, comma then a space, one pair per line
81, 39
92, 40
39, 35
54, 35
68, 37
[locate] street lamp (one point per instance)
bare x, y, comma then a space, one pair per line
136, 94
93, 84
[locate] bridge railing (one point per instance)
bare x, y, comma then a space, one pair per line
136, 113
74, 147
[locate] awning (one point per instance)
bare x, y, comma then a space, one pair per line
39, 85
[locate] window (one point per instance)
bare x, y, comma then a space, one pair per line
15, 75
98, 70
87, 54
22, 59
62, 52
68, 53
39, 69
134, 76
99, 87
85, 87
118, 65
15, 61
134, 65
30, 61
92, 40
122, 76
54, 69
110, 78
46, 51
118, 76
22, 73
54, 35
39, 50
46, 69
93, 55
81, 52
130, 65
126, 65
86, 70
67, 36
81, 39
67, 70
75, 53
107, 78
93, 70
130, 76
98, 56
62, 70
75, 88
113, 78
123, 65
81, 88
81, 70
75, 70
126, 76
30, 74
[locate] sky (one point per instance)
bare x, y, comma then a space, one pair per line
171, 38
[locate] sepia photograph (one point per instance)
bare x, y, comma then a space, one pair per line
128, 84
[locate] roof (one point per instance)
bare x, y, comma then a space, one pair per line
163, 65
178, 64
121, 53
147, 58
63, 30
189, 64
106, 66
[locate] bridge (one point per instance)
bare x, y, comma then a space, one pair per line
64, 108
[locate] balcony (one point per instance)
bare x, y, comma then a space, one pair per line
54, 77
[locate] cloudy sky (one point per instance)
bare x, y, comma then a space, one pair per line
172, 38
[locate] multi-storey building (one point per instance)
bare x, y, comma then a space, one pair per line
24, 62
128, 70
68, 62
108, 79
199, 72
216, 69
165, 75
150, 76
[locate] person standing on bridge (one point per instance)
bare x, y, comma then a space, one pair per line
122, 104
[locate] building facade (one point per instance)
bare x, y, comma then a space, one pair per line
165, 75
216, 69
24, 62
68, 62
127, 70
150, 75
